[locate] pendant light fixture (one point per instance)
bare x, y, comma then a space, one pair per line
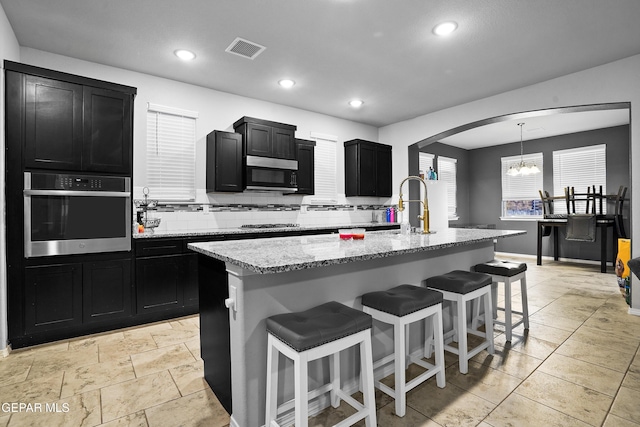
522, 168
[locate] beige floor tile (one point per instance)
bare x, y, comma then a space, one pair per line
582, 373
4, 420
386, 416
632, 378
577, 401
131, 344
143, 331
527, 344
189, 378
86, 342
544, 332
615, 421
14, 369
187, 323
139, 419
519, 411
555, 320
49, 363
483, 381
82, 410
449, 406
168, 337
626, 405
605, 339
161, 359
42, 389
134, 395
608, 357
197, 409
96, 376
194, 348
516, 364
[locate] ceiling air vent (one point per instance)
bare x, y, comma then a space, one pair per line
245, 48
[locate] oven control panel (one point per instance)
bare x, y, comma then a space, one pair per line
58, 181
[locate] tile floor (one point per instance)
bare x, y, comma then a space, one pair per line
578, 365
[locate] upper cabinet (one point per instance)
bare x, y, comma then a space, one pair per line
70, 123
367, 168
267, 139
224, 162
305, 154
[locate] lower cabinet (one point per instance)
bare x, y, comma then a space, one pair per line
67, 295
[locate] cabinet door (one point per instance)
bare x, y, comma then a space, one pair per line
283, 144
107, 143
367, 170
106, 290
224, 162
159, 283
53, 296
305, 156
383, 172
190, 277
258, 140
53, 124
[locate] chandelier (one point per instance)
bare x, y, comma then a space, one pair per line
522, 168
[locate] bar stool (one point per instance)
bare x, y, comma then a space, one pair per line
401, 306
308, 335
507, 272
460, 287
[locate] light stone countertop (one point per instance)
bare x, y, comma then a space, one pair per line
283, 254
227, 231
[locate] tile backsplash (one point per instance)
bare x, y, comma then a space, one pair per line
215, 210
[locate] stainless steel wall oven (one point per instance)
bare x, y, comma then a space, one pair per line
76, 214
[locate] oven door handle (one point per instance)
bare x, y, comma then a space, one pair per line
62, 193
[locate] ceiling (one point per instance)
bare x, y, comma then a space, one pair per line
381, 51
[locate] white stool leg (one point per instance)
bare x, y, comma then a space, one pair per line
475, 316
436, 323
494, 298
272, 382
334, 375
399, 367
525, 301
507, 307
366, 375
488, 319
301, 368
429, 330
461, 310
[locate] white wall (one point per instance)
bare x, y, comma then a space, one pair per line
613, 82
9, 49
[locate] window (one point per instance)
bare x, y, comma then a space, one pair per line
579, 168
447, 173
520, 197
171, 153
425, 162
325, 168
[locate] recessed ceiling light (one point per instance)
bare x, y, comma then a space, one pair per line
185, 55
445, 28
356, 103
286, 83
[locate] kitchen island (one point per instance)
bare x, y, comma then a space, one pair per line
287, 274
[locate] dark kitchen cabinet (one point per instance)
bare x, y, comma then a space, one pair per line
108, 136
68, 122
266, 138
306, 158
367, 168
53, 124
53, 297
224, 162
106, 290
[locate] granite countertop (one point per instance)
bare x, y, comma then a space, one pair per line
227, 231
301, 252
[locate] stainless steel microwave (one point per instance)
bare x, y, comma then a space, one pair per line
269, 174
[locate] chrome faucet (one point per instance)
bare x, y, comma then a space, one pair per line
425, 203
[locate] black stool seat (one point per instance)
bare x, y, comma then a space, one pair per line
501, 268
402, 300
459, 281
319, 325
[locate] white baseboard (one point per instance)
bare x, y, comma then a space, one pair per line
5, 351
549, 258
634, 311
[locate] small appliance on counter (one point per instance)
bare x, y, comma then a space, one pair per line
145, 223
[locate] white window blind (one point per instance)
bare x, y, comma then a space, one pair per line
425, 162
447, 173
520, 196
325, 168
580, 168
522, 186
171, 153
